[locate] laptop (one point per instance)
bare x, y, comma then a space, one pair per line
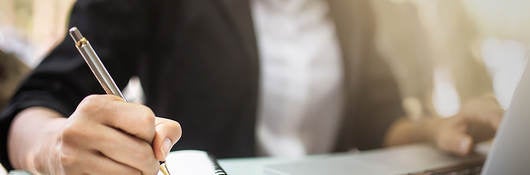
509, 154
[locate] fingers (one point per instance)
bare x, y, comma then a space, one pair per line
99, 164
490, 117
168, 132
482, 117
75, 161
120, 132
109, 142
126, 149
455, 141
134, 119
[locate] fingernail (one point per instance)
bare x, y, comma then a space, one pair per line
465, 145
166, 146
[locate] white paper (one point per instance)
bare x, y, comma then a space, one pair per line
2, 170
189, 162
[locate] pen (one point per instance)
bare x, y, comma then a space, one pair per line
101, 73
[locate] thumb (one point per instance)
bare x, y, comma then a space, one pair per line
456, 142
167, 133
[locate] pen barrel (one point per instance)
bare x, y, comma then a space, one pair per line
99, 69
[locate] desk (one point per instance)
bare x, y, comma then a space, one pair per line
430, 158
258, 166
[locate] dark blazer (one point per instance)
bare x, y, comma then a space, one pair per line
198, 64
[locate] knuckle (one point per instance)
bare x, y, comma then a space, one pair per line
70, 133
147, 116
91, 104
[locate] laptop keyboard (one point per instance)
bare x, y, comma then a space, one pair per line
472, 167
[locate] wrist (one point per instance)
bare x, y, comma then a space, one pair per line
30, 150
44, 156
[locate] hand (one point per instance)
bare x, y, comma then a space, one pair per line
106, 135
477, 121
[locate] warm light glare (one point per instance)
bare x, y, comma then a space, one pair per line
445, 98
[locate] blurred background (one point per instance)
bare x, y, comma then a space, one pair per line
442, 52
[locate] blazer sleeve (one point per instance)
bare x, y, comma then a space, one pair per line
117, 30
379, 103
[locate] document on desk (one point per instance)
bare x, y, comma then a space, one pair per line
192, 162
2, 170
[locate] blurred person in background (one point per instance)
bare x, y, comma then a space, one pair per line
431, 47
244, 78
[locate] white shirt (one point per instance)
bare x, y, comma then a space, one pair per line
301, 77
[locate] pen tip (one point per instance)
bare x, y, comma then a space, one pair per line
75, 34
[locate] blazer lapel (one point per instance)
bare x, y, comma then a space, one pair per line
352, 20
239, 15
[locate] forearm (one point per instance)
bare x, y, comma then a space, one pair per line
406, 131
31, 131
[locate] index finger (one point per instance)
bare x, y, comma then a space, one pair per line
134, 119
168, 132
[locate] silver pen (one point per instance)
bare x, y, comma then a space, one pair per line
101, 73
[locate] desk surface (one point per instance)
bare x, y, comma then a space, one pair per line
430, 158
256, 166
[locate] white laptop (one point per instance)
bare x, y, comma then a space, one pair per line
509, 155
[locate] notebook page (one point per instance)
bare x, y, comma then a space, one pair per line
189, 162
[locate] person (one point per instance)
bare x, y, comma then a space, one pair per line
243, 78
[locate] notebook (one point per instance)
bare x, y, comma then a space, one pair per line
192, 162
2, 170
